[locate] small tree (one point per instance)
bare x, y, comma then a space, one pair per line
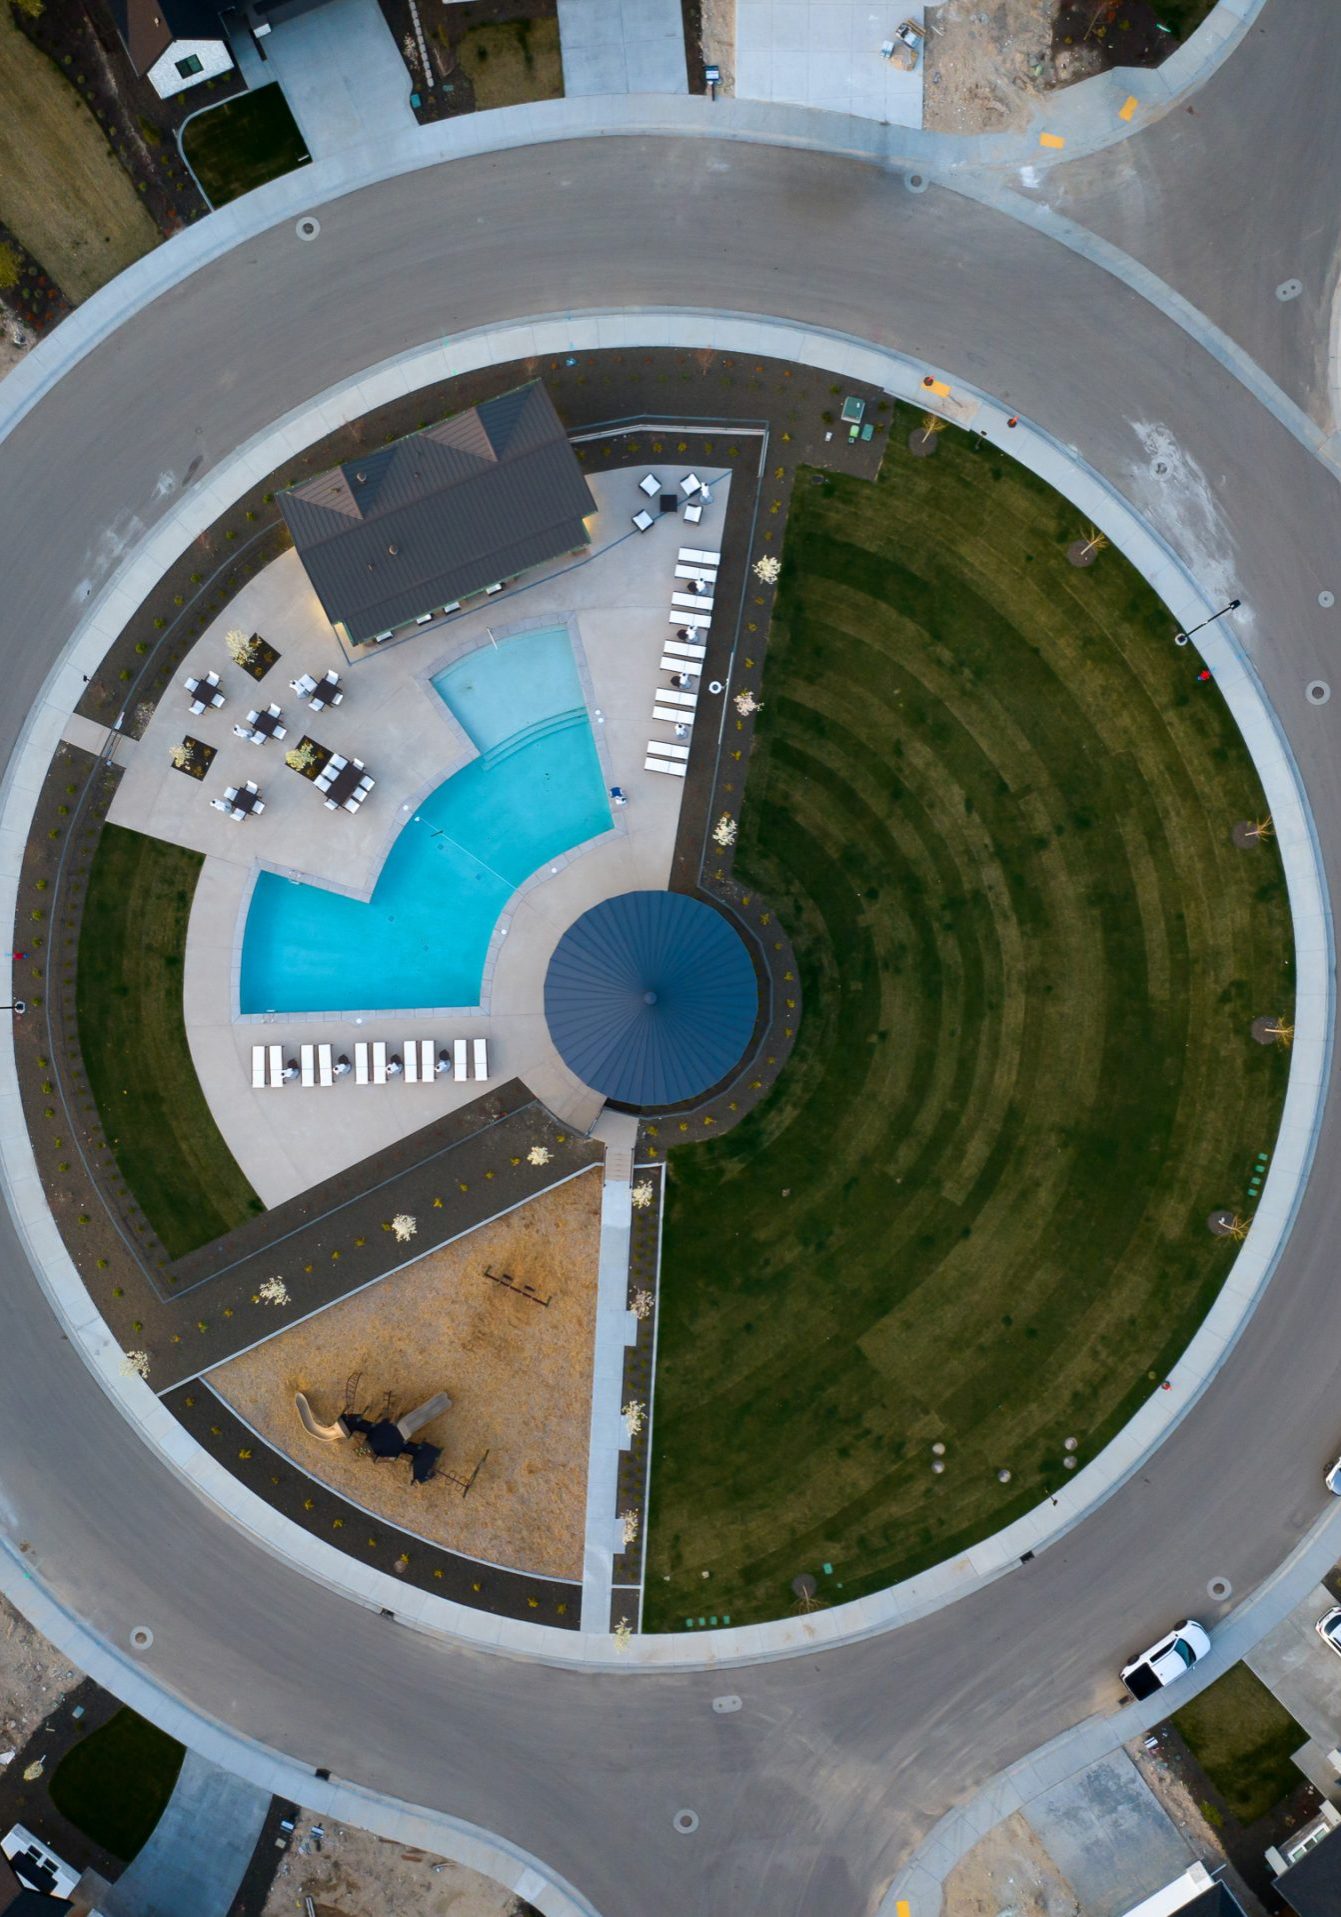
1096, 543
1238, 1228
1282, 1031
641, 1307
1261, 829
135, 1364
180, 755
404, 1227
628, 1528
273, 1291
241, 647
302, 757
932, 423
746, 703
641, 1194
766, 570
538, 1155
635, 1416
623, 1635
724, 832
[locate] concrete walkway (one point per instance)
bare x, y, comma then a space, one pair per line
622, 46
199, 1850
616, 1328
343, 77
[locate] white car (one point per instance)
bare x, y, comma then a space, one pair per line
1185, 1646
1328, 1628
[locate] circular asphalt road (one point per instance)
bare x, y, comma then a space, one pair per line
811, 1794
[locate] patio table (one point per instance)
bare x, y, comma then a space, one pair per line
345, 782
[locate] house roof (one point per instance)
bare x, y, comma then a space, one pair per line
149, 27
1312, 1887
442, 513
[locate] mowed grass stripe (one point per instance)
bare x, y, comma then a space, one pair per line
993, 809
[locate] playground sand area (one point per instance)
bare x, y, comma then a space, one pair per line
518, 1372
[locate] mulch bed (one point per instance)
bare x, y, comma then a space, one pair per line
201, 759
1245, 1844
272, 1847
1130, 37
36, 301
262, 659
320, 1511
31, 1805
635, 1464
141, 129
691, 18
448, 90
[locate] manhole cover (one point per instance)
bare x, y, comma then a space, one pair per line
1160, 467
141, 1638
686, 1822
1289, 290
1326, 600
714, 685
307, 228
1219, 1589
915, 182
724, 1706
1317, 692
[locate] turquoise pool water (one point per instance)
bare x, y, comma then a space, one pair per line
535, 791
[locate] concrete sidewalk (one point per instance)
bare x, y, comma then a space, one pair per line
198, 1852
622, 46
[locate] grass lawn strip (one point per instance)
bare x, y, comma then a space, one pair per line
244, 143
62, 191
133, 1037
115, 1785
513, 61
1243, 1739
992, 807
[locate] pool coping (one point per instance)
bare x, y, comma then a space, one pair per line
1032, 447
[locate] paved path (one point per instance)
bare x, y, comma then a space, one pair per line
811, 1795
342, 75
622, 46
199, 1850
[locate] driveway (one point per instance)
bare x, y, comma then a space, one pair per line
199, 1849
342, 75
825, 53
622, 46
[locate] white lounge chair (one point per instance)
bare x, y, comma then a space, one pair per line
689, 618
697, 575
665, 765
412, 1061
276, 1065
379, 1061
672, 716
481, 1058
672, 696
684, 649
459, 1070
693, 601
258, 1068
361, 1061
427, 1061
696, 556
662, 749
324, 1065
690, 668
308, 1055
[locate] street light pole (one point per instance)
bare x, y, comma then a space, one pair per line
1181, 638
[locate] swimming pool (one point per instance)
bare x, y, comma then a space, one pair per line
535, 791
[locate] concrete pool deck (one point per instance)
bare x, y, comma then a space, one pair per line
614, 602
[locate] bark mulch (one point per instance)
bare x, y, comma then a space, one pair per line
447, 90
318, 1510
35, 301
635, 1463
271, 1849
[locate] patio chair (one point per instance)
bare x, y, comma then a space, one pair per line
665, 765
661, 749
252, 717
423, 1414
280, 732
258, 1068
425, 1060
276, 1065
481, 1058
691, 484
693, 601
196, 708
693, 513
649, 484
258, 808
643, 521
361, 1061
460, 1071
697, 556
411, 1061
308, 1055
230, 793
671, 715
331, 806
324, 1065
217, 699
379, 1062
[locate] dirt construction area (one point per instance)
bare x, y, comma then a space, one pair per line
1008, 1871
518, 1372
988, 64
355, 1874
34, 1678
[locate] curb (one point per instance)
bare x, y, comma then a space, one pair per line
1292, 1159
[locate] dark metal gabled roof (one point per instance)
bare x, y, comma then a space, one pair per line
651, 998
442, 513
149, 27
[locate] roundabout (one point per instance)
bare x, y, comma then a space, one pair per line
556, 1762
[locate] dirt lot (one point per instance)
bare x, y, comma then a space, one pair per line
61, 189
519, 1375
994, 64
358, 1875
1008, 1871
33, 1679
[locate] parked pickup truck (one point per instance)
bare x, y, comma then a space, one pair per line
1185, 1646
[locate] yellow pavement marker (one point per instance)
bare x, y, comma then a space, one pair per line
1051, 139
1128, 107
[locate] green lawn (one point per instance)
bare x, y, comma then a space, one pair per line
115, 1785
244, 143
1242, 1738
133, 1038
992, 806
510, 61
